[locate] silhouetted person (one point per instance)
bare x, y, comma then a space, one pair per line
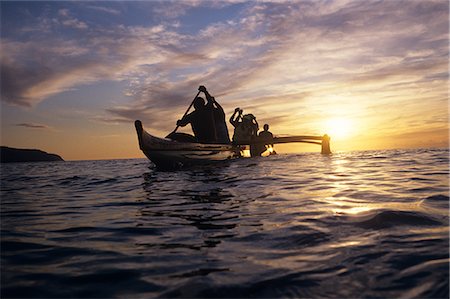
245, 127
202, 119
236, 121
251, 126
253, 123
267, 137
208, 121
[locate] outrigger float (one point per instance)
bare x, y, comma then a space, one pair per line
169, 153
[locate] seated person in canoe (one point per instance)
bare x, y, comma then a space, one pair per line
267, 137
207, 120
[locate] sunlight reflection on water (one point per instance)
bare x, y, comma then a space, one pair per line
374, 223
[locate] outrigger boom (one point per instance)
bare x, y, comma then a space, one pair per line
324, 141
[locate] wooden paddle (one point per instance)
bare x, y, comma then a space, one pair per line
189, 108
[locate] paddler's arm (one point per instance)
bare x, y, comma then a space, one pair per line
184, 121
234, 121
209, 98
220, 109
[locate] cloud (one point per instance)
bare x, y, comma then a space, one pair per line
33, 126
26, 85
273, 50
33, 70
68, 20
259, 58
173, 9
104, 9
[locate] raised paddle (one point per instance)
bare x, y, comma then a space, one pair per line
171, 135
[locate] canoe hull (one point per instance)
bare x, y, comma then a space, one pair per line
166, 153
178, 159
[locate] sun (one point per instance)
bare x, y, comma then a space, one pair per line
338, 128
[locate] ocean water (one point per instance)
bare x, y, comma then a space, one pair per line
353, 225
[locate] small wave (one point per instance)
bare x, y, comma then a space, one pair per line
422, 179
200, 272
438, 197
300, 240
122, 231
70, 180
12, 246
387, 219
423, 189
100, 182
105, 283
80, 229
279, 227
294, 284
120, 204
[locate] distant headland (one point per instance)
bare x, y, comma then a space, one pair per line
8, 155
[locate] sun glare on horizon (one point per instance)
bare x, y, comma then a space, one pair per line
338, 128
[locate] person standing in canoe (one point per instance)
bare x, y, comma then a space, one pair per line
206, 120
236, 121
245, 127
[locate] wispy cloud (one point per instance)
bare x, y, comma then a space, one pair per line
34, 126
104, 9
68, 20
357, 48
258, 57
33, 70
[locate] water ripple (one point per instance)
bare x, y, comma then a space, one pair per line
358, 224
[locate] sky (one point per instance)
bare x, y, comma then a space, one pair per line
371, 74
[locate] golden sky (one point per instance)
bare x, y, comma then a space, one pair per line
75, 76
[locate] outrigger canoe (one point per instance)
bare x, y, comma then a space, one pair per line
168, 153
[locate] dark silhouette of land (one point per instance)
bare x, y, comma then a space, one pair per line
8, 155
